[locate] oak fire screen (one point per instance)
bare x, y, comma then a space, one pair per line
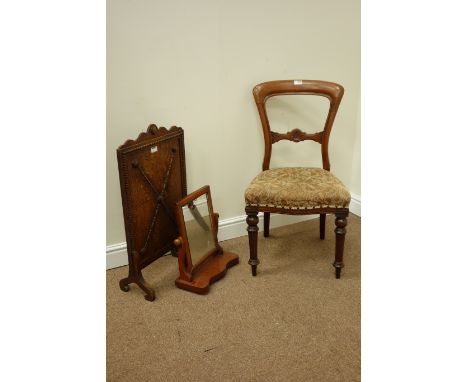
152, 179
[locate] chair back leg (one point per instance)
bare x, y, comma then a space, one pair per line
266, 224
322, 225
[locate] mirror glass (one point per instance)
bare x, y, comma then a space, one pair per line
199, 228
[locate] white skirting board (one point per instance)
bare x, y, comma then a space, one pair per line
116, 254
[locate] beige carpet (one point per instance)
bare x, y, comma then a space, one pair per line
293, 322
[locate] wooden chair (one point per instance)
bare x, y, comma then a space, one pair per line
297, 190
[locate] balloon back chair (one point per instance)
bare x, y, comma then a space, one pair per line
297, 190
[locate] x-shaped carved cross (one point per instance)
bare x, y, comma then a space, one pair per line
159, 197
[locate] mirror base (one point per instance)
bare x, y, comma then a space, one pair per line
214, 269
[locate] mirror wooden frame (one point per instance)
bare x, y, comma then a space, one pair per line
212, 266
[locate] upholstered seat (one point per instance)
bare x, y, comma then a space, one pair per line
297, 188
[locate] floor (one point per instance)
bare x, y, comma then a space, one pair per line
293, 322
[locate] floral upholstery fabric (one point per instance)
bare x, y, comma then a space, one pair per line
297, 188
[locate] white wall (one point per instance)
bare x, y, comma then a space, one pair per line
194, 63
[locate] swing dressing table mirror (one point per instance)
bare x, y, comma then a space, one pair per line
202, 261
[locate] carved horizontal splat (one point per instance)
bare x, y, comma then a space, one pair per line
296, 135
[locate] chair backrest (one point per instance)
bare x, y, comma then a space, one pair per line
334, 92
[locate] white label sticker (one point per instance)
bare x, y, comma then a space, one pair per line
297, 82
154, 149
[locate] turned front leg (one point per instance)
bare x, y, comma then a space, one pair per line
252, 229
340, 232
